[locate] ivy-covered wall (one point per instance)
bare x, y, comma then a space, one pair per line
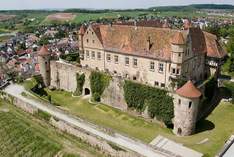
98, 82
80, 80
160, 104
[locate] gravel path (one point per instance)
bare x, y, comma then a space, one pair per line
136, 146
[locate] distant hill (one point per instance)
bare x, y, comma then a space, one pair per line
194, 7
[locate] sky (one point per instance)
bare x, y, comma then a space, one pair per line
99, 4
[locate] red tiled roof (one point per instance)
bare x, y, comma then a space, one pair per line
132, 40
178, 39
43, 51
213, 48
188, 90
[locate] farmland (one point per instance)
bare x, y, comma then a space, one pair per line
24, 135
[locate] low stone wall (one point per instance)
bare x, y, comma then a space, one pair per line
19, 103
93, 140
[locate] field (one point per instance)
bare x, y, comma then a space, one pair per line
4, 17
23, 135
213, 129
61, 17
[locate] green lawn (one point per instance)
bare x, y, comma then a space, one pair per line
217, 127
22, 134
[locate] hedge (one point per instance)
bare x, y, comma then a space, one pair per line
160, 104
98, 82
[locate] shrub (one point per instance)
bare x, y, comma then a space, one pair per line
98, 82
160, 104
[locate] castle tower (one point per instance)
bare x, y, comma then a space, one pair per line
178, 47
44, 64
186, 103
81, 44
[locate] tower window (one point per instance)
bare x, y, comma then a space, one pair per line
178, 71
179, 101
190, 104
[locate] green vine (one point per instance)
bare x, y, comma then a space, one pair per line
98, 82
160, 104
80, 79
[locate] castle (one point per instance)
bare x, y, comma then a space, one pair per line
158, 57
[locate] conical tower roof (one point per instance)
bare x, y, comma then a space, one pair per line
43, 51
188, 90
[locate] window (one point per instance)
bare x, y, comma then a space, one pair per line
93, 55
179, 54
179, 101
156, 83
162, 85
99, 55
87, 40
93, 41
190, 104
152, 66
108, 57
178, 71
126, 61
134, 78
160, 67
87, 54
116, 59
135, 62
173, 70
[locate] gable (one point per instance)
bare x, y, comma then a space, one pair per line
91, 38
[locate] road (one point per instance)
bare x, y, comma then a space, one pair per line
126, 142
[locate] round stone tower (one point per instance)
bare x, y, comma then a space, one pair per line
44, 64
178, 47
186, 103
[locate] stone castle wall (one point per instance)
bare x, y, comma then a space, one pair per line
63, 76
